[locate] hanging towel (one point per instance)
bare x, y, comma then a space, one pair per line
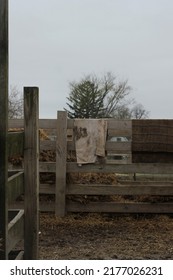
90, 139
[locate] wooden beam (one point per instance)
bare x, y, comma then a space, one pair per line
3, 127
142, 168
47, 188
15, 123
150, 188
111, 207
131, 189
47, 145
31, 173
61, 155
15, 186
15, 229
15, 143
49, 167
117, 207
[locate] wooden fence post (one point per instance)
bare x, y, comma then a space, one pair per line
3, 127
61, 157
31, 173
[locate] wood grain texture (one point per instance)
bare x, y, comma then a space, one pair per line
15, 186
31, 172
115, 207
61, 155
3, 127
15, 144
143, 168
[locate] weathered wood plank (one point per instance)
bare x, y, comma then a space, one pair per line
48, 206
47, 123
15, 143
16, 205
120, 128
120, 124
143, 168
61, 155
108, 207
146, 183
120, 132
15, 230
3, 126
131, 189
47, 145
15, 186
47, 189
112, 207
118, 147
15, 123
70, 124
31, 172
47, 167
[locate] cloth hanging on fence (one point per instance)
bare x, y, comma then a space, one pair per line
90, 139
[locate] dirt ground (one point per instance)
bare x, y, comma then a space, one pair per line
93, 236
106, 236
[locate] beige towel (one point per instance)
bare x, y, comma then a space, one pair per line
90, 139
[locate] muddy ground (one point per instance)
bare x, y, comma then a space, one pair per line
106, 236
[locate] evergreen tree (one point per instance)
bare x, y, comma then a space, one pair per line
100, 98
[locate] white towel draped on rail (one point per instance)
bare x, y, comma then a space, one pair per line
90, 139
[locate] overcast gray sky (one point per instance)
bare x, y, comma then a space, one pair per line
53, 42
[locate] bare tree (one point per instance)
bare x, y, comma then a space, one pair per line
97, 98
105, 97
116, 104
139, 112
15, 103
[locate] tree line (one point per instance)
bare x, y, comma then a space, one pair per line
92, 97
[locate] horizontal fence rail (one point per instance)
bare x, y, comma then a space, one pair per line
15, 143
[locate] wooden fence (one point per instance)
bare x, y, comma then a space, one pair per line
22, 223
62, 130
